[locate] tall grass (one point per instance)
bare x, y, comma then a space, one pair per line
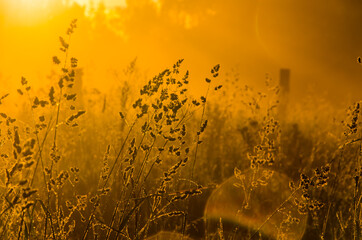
136, 162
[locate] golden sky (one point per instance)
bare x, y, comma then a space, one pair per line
318, 40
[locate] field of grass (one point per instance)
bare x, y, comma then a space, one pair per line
151, 158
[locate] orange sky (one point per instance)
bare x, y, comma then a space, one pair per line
319, 42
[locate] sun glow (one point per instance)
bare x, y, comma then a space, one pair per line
25, 11
30, 12
27, 5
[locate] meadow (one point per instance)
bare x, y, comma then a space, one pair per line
149, 157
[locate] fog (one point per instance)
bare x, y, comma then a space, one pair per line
319, 41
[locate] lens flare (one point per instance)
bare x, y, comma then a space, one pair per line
255, 202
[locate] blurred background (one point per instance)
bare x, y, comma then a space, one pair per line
319, 41
309, 48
